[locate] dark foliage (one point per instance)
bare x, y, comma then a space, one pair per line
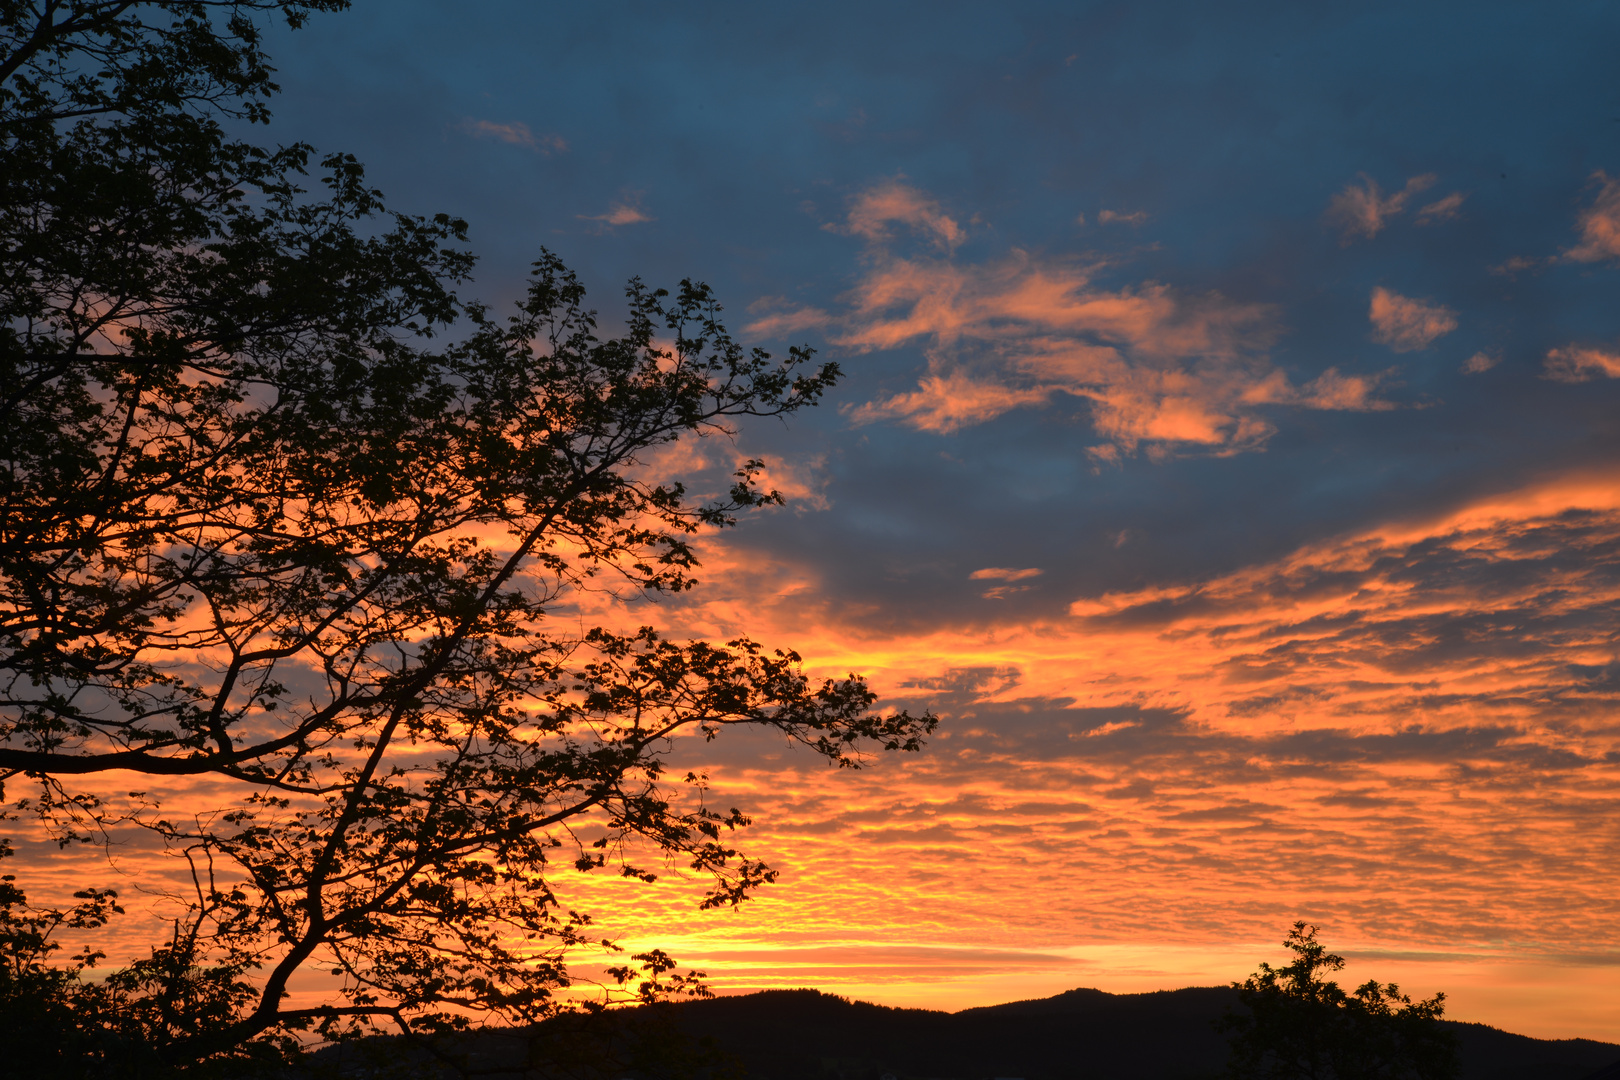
1297, 1025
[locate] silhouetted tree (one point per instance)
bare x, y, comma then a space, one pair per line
1301, 1026
259, 525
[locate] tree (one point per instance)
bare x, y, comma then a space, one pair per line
1300, 1026
279, 510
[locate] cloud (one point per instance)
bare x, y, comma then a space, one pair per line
1166, 407
621, 213
776, 316
1405, 324
1005, 574
1441, 210
950, 402
1599, 223
517, 134
1159, 368
1001, 573
1350, 393
1364, 210
1576, 363
1106, 217
801, 481
897, 202
1481, 361
1599, 226
1516, 263
1407, 730
1155, 367
1330, 390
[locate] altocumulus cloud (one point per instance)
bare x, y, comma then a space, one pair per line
1009, 576
1576, 363
1409, 729
1363, 210
1405, 324
1599, 223
1162, 370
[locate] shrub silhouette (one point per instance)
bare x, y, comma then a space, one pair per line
1302, 1026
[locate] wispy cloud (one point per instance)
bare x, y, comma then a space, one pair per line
1362, 209
1441, 210
949, 402
1159, 367
1109, 217
1576, 363
1334, 391
1009, 576
628, 212
1405, 324
516, 134
776, 316
1004, 573
801, 482
897, 203
1599, 223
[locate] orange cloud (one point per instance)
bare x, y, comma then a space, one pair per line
1364, 210
621, 213
1599, 223
1441, 210
517, 134
1575, 363
1405, 324
1002, 573
801, 482
896, 202
776, 317
1599, 226
1160, 368
1169, 407
1353, 393
950, 402
1406, 733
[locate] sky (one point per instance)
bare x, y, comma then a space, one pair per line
1228, 450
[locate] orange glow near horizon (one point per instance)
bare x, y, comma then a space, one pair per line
1405, 735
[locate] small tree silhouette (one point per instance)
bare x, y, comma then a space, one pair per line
1301, 1026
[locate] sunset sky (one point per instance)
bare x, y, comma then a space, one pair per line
1229, 451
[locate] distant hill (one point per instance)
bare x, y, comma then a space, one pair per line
1079, 1035
1090, 1034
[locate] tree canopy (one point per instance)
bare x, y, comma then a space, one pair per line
1299, 1025
280, 510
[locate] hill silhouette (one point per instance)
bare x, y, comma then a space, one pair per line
1082, 1034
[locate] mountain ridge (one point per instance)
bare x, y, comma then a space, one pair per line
807, 1034
1081, 1033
